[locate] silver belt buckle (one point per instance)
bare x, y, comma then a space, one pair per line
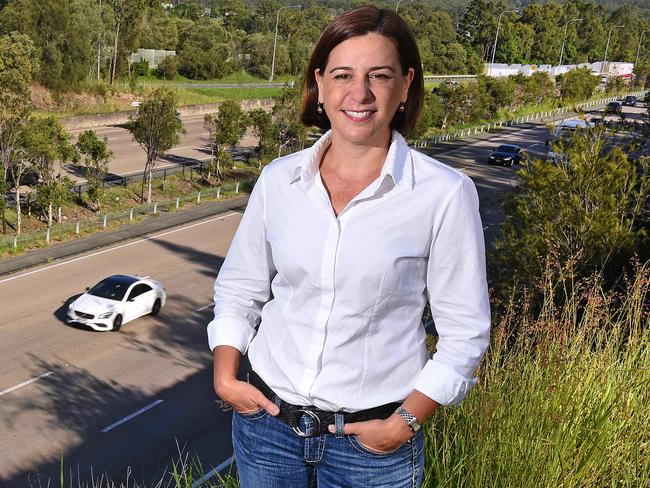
313, 416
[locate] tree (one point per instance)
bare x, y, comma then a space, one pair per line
96, 156
204, 51
225, 128
17, 66
580, 215
286, 114
265, 131
59, 34
45, 144
578, 84
156, 128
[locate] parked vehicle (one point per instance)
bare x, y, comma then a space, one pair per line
116, 300
506, 155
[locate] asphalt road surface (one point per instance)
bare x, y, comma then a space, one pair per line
125, 403
129, 157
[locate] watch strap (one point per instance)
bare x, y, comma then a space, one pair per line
409, 418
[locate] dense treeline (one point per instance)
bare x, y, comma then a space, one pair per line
79, 40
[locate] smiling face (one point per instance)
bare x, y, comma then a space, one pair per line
361, 88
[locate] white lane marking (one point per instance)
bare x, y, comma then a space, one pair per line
201, 309
134, 414
221, 216
191, 147
25, 383
213, 472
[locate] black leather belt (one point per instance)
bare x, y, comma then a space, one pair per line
291, 414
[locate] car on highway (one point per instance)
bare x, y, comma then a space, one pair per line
614, 108
629, 101
117, 300
506, 155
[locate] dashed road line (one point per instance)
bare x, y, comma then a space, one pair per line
25, 383
133, 415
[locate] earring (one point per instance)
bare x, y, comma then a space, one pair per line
319, 108
402, 107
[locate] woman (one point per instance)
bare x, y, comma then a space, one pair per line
325, 282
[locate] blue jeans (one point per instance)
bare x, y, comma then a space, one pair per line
269, 454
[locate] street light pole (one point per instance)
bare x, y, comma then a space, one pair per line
496, 38
638, 49
609, 36
566, 27
275, 39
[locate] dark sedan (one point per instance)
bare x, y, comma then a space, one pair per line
506, 155
629, 101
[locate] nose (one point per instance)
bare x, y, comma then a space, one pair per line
360, 91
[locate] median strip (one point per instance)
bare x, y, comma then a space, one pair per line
25, 383
133, 415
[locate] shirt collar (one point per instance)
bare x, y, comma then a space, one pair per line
398, 164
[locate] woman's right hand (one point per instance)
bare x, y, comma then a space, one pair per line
244, 397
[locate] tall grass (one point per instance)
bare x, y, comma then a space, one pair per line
564, 400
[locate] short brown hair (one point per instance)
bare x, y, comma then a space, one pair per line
355, 23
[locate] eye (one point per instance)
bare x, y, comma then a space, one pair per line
379, 76
342, 76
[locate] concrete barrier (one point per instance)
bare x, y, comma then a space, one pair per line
117, 118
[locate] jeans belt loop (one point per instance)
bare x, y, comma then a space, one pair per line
339, 422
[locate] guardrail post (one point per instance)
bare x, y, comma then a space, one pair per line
105, 218
155, 208
76, 228
47, 235
131, 214
15, 241
178, 202
237, 188
198, 197
218, 192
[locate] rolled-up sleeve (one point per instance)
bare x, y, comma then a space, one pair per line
458, 295
243, 285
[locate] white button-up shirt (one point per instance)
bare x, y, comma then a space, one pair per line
329, 308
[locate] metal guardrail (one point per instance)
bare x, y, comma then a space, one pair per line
450, 78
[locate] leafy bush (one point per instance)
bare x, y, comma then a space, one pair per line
577, 217
167, 68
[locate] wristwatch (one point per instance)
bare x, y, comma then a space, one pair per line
409, 418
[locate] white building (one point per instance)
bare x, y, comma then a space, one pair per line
612, 68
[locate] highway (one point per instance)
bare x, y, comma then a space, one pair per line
110, 401
129, 157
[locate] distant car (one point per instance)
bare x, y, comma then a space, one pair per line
614, 108
506, 155
629, 101
117, 300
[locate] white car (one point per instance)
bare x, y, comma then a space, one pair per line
116, 300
